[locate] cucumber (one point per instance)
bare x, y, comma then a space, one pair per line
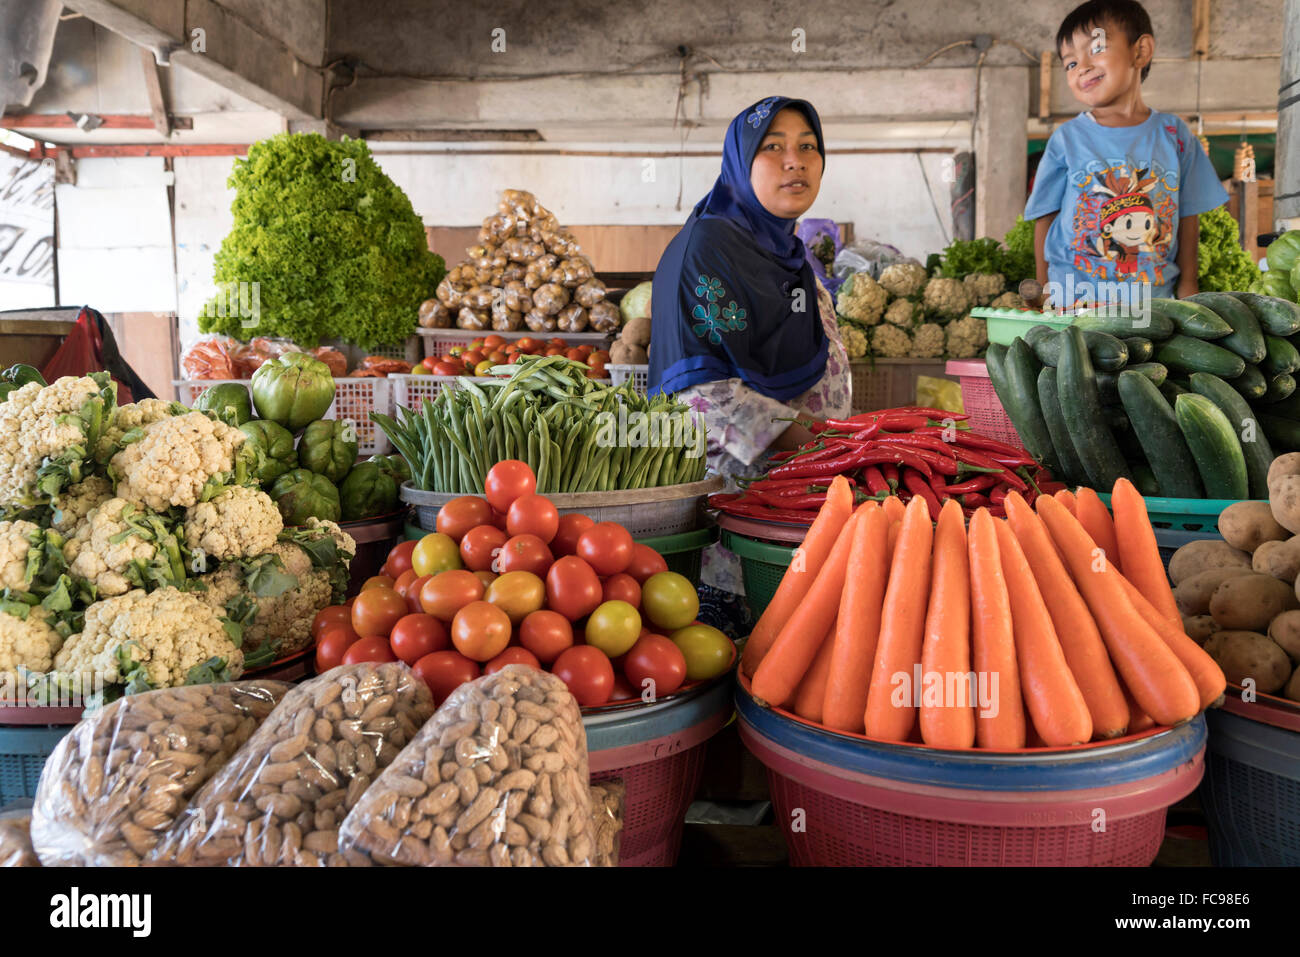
1251, 383
1246, 430
1139, 349
1191, 318
1287, 408
1107, 352
1107, 381
1195, 355
1247, 339
1145, 480
1150, 326
1279, 388
1282, 358
1049, 401
1282, 432
1081, 406
1162, 441
1276, 316
1214, 446
1020, 375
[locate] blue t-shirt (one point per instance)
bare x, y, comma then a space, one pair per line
1119, 192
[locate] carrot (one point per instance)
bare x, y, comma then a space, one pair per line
992, 639
945, 648
902, 627
807, 562
857, 628
894, 511
1150, 669
811, 692
783, 667
1138, 720
1085, 652
1066, 498
1093, 515
1055, 703
894, 508
891, 541
1209, 677
1139, 555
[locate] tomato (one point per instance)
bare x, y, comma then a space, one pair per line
333, 643
444, 672
613, 627
498, 358
499, 520
518, 594
586, 349
378, 581
461, 514
570, 527
555, 341
480, 631
528, 344
670, 600
477, 343
708, 652
415, 636
623, 689
533, 515
374, 648
428, 362
333, 614
506, 481
376, 611
657, 660
471, 358
484, 368
448, 592
445, 368
587, 673
515, 357
403, 583
493, 341
622, 587
606, 547
574, 354
512, 656
572, 588
597, 372
645, 562
524, 553
435, 553
399, 559
455, 351
412, 594
481, 546
546, 634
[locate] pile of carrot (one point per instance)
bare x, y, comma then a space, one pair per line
1068, 608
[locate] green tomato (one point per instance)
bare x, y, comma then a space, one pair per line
670, 600
708, 651
273, 447
613, 628
227, 396
293, 389
302, 494
367, 491
329, 448
394, 465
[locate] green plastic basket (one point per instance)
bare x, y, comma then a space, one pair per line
1005, 325
762, 566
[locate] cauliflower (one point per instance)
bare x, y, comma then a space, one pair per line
120, 546
134, 415
887, 341
77, 501
855, 340
31, 558
27, 641
862, 298
903, 279
927, 341
238, 522
159, 639
182, 460
904, 313
14, 546
1009, 300
967, 337
984, 287
46, 435
946, 297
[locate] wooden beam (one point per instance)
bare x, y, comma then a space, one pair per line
111, 121
1201, 28
1045, 84
153, 89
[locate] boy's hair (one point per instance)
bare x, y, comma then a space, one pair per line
1128, 15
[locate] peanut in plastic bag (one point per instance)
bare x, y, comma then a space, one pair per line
16, 840
497, 778
123, 775
281, 798
607, 806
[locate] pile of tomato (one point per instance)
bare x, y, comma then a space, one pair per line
482, 354
506, 579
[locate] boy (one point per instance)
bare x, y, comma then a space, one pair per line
1119, 191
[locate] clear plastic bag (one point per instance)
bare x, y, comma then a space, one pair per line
607, 804
869, 256
210, 357
123, 775
280, 799
498, 778
16, 840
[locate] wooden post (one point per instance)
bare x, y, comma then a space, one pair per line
1201, 28
153, 87
1248, 215
1045, 85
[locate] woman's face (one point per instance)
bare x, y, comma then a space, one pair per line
787, 170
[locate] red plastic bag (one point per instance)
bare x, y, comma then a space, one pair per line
82, 352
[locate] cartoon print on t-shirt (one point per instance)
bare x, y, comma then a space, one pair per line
1123, 223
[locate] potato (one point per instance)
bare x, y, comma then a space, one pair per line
620, 353
1247, 525
1281, 467
1292, 689
637, 332
1248, 654
1207, 553
1285, 630
1281, 560
1250, 602
1199, 627
1192, 595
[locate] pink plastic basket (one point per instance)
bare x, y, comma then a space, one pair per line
987, 416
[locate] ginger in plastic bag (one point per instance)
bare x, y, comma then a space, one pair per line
607, 805
125, 772
497, 778
210, 358
383, 365
16, 840
281, 798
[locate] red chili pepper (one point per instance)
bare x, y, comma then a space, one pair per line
937, 462
997, 495
973, 440
971, 457
890, 472
748, 510
976, 484
781, 456
1051, 488
899, 456
916, 484
926, 411
811, 502
868, 432
875, 480
997, 511
936, 483
918, 441
974, 500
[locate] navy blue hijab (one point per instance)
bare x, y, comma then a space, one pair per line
733, 295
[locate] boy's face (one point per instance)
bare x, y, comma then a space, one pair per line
1101, 65
1132, 229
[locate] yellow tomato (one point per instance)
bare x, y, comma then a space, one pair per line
435, 553
419, 369
518, 594
708, 651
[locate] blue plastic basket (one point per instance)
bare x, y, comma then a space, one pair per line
1251, 792
23, 751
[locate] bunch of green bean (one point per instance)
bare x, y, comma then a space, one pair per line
550, 415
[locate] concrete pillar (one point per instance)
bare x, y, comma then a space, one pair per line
1001, 144
1286, 199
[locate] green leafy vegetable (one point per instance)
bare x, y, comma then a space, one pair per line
1221, 262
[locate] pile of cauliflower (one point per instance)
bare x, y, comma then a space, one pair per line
136, 548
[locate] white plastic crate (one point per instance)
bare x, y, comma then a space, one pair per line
438, 341
410, 350
410, 391
639, 375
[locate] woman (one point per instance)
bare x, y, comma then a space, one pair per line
740, 328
